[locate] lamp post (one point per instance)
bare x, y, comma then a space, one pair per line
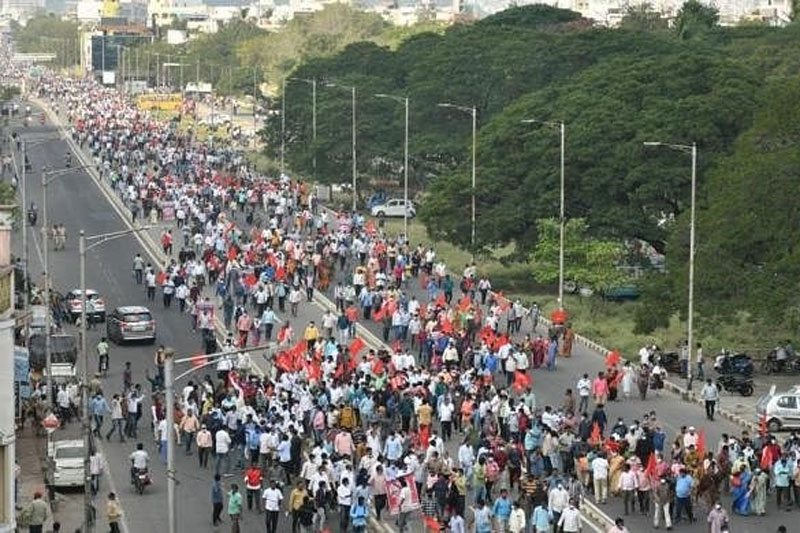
404, 101
97, 240
692, 150
283, 122
562, 220
474, 112
352, 90
169, 386
48, 176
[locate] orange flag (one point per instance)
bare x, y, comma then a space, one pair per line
161, 278
284, 361
612, 358
499, 342
650, 469
250, 280
377, 367
464, 304
356, 346
431, 523
447, 326
378, 315
521, 381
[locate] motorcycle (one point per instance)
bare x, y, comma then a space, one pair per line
32, 216
68, 160
736, 383
739, 363
141, 478
771, 365
670, 361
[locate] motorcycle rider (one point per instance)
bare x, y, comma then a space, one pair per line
781, 356
102, 356
140, 460
68, 160
32, 214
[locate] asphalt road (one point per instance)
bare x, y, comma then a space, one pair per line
76, 201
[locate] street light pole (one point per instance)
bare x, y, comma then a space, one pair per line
314, 126
283, 122
562, 217
692, 150
405, 176
473, 111
353, 116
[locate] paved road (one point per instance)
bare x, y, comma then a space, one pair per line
76, 201
79, 205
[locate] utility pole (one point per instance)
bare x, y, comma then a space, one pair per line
283, 122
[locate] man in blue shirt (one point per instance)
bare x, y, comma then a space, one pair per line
783, 476
502, 509
358, 516
683, 495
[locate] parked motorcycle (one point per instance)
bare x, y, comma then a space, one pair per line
738, 363
736, 383
670, 361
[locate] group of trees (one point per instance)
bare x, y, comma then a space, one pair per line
723, 88
48, 33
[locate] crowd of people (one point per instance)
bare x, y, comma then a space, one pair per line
441, 421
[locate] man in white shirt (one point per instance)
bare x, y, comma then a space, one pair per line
628, 483
446, 410
272, 497
557, 501
570, 521
344, 497
600, 474
223, 446
584, 392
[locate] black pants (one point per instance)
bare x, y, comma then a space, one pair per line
380, 504
35, 529
629, 497
711, 406
202, 456
252, 495
215, 517
781, 493
447, 429
272, 521
113, 527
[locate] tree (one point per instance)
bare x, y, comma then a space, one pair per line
535, 16
643, 17
694, 19
588, 262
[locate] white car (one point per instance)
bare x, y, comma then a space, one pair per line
394, 208
66, 459
74, 304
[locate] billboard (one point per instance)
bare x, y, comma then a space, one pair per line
161, 102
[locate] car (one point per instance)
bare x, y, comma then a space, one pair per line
394, 208
780, 411
131, 323
73, 299
65, 459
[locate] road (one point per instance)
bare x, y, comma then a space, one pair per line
77, 203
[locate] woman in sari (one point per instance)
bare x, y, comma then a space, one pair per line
740, 490
758, 489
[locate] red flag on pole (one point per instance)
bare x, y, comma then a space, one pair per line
521, 381
650, 469
284, 361
499, 342
356, 346
447, 326
300, 348
162, 277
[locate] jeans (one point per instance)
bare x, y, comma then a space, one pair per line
223, 457
710, 408
130, 425
189, 438
116, 423
680, 505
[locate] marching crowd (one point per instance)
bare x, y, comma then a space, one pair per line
444, 424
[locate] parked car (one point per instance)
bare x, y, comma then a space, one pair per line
74, 304
780, 410
394, 208
129, 323
65, 458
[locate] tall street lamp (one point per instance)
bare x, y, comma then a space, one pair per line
474, 112
97, 240
692, 150
404, 101
562, 220
169, 386
48, 176
313, 83
352, 90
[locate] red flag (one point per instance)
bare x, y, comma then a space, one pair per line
377, 367
284, 361
378, 315
464, 304
612, 358
650, 469
521, 380
441, 301
356, 346
701, 444
351, 313
315, 371
162, 277
199, 359
424, 436
596, 437
300, 348
499, 342
339, 371
250, 280
352, 363
280, 273
232, 253
397, 345
447, 326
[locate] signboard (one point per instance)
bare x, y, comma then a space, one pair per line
202, 87
393, 495
161, 102
109, 77
168, 211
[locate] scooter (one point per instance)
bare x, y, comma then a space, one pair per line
736, 383
740, 363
